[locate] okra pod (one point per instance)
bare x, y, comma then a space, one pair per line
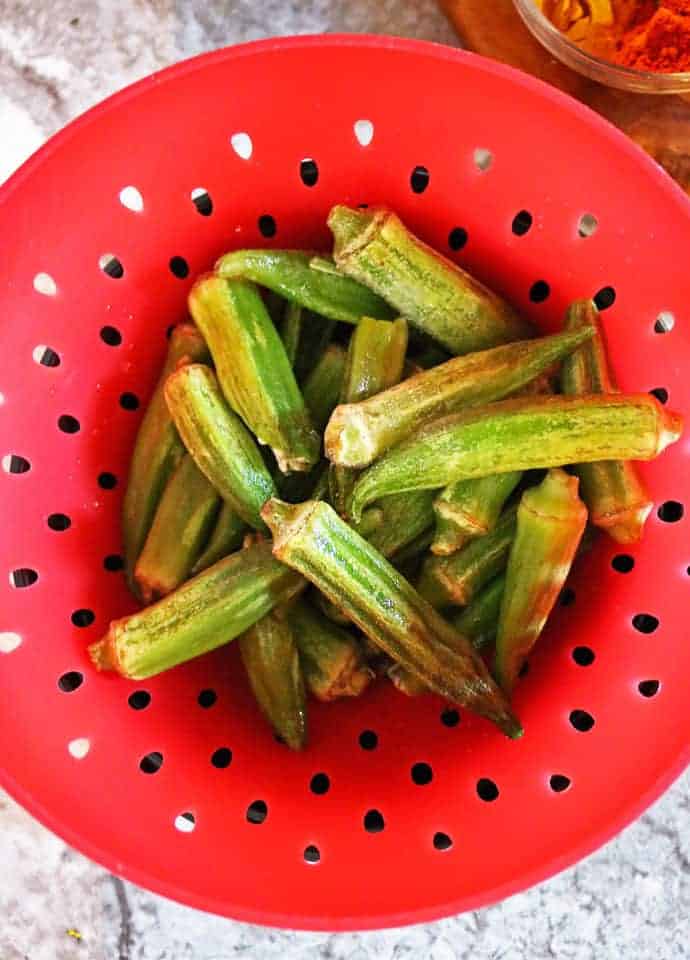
374, 247
521, 434
289, 273
331, 658
290, 329
180, 528
271, 659
157, 448
617, 499
455, 580
321, 389
479, 619
316, 335
403, 519
375, 361
204, 613
222, 447
331, 611
314, 540
469, 509
551, 519
358, 434
413, 551
226, 537
478, 622
253, 369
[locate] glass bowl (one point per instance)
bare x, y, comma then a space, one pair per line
604, 71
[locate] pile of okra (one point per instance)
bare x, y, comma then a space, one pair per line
367, 464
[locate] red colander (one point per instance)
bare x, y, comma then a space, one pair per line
401, 809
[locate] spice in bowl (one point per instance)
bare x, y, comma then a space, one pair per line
647, 35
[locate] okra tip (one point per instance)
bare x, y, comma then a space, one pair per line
512, 727
671, 429
626, 526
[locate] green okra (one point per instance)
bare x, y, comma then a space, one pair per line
455, 580
157, 448
253, 368
406, 682
469, 509
375, 358
331, 611
219, 442
359, 433
316, 336
478, 622
521, 434
403, 519
291, 274
226, 537
374, 247
290, 329
271, 659
551, 519
479, 619
332, 660
413, 550
204, 613
616, 497
182, 524
375, 361
321, 389
314, 540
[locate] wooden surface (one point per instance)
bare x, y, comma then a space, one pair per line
660, 124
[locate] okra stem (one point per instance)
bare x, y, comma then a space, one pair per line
469, 509
359, 433
551, 519
157, 449
225, 538
331, 658
375, 248
219, 442
180, 528
289, 273
455, 580
521, 434
270, 657
617, 499
313, 539
253, 368
204, 613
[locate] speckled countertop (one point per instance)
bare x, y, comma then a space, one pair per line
631, 899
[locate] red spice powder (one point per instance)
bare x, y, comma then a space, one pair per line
658, 37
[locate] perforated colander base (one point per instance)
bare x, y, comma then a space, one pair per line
400, 809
